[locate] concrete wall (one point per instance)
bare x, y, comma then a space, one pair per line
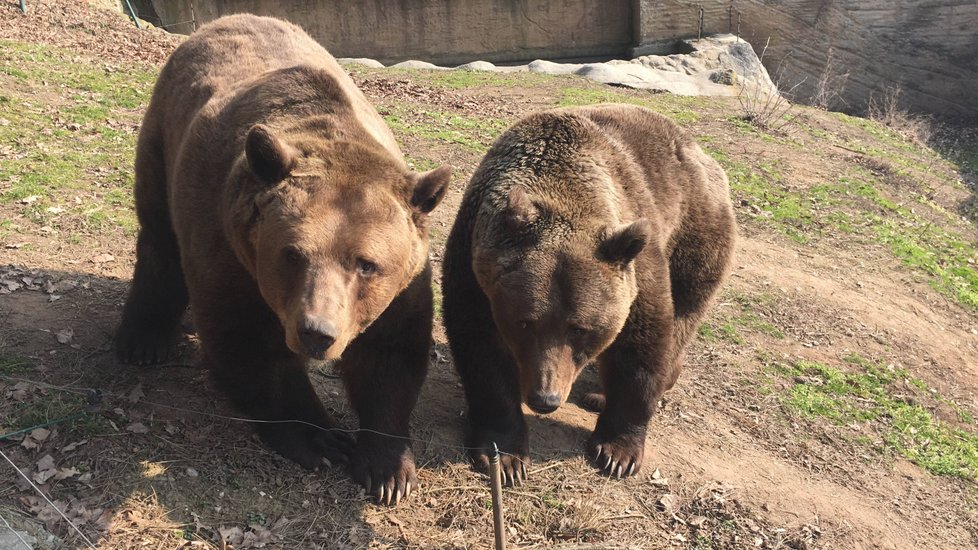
928, 48
439, 31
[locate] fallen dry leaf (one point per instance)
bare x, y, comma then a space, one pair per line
137, 428
103, 258
74, 445
667, 503
65, 473
135, 394
65, 336
45, 470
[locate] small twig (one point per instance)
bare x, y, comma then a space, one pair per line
459, 488
544, 468
626, 516
848, 149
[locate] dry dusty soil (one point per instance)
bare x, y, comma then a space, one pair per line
828, 402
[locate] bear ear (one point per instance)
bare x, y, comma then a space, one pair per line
520, 210
430, 187
625, 242
270, 158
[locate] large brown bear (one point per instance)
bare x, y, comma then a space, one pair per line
272, 195
594, 234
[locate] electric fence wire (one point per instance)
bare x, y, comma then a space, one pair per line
48, 500
16, 534
91, 391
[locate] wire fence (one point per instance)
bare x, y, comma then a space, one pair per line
94, 401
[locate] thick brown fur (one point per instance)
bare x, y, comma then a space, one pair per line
274, 199
596, 234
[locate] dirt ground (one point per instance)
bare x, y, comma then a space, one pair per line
735, 459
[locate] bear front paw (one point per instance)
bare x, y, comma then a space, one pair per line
617, 456
514, 454
387, 475
143, 346
308, 446
594, 402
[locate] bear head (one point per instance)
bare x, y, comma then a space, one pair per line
560, 281
331, 230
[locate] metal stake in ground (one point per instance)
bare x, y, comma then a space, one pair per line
497, 499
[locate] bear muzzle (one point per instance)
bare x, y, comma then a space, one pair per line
317, 335
544, 402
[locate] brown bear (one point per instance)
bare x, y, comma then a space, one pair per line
595, 234
272, 196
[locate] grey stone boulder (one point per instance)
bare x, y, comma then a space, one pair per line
415, 64
362, 61
477, 66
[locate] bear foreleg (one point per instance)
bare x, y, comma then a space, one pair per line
384, 369
635, 371
158, 297
268, 382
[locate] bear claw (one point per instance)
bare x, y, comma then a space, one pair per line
143, 346
387, 478
512, 468
618, 458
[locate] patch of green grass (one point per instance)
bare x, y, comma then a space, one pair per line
421, 164
747, 319
729, 332
869, 395
763, 188
72, 124
42, 409
436, 297
14, 72
473, 133
854, 201
457, 80
681, 109
14, 365
706, 333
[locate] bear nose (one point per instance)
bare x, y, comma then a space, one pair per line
544, 402
317, 335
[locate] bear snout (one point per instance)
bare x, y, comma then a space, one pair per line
317, 335
544, 402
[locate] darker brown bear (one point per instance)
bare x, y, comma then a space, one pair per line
273, 197
595, 234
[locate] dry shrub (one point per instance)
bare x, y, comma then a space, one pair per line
831, 83
885, 109
762, 107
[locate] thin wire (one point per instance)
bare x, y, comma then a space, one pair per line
86, 391
43, 425
45, 497
168, 25
343, 430
80, 391
16, 534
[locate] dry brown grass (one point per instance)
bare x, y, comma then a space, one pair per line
886, 109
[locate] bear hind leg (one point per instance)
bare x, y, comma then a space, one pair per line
697, 268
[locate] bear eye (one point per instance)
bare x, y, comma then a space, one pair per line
366, 268
578, 330
524, 324
293, 256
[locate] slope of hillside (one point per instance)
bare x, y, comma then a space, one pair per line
830, 400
